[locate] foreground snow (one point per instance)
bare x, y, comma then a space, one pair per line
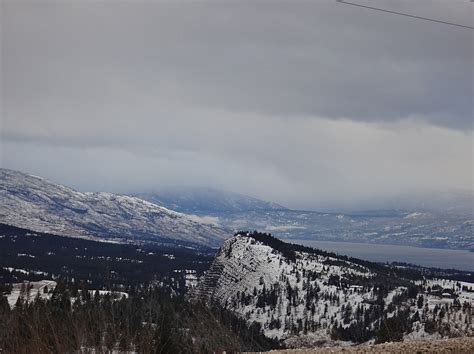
43, 289
31, 291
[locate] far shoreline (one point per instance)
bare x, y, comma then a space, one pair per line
442, 258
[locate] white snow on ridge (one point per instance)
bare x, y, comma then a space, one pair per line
38, 205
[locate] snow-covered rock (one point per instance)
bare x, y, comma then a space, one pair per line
34, 203
312, 297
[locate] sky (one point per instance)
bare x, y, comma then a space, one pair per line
311, 104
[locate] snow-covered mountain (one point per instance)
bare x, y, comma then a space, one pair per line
207, 201
305, 296
443, 220
34, 203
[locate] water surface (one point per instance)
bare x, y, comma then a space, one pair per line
428, 257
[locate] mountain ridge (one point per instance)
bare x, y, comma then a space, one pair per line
207, 201
35, 203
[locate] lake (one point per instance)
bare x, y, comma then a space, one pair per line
428, 257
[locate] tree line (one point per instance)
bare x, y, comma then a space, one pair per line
149, 320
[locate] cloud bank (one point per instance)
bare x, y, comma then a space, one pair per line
310, 104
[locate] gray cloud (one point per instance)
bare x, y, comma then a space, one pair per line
311, 163
324, 103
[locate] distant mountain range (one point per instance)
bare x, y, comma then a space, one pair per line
443, 220
398, 227
36, 204
207, 201
205, 216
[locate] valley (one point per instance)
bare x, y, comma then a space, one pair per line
163, 272
444, 221
194, 177
288, 295
28, 256
433, 229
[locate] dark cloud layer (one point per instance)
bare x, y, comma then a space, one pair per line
322, 101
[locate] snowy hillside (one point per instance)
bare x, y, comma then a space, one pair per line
33, 203
207, 201
305, 296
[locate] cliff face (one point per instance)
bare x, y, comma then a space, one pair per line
241, 264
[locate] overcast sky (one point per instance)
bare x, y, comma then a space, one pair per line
312, 104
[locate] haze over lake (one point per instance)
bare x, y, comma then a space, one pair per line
428, 257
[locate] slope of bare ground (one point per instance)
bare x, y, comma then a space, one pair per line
463, 345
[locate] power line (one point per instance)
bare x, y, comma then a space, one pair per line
404, 14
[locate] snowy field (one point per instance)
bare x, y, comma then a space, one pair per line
31, 291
